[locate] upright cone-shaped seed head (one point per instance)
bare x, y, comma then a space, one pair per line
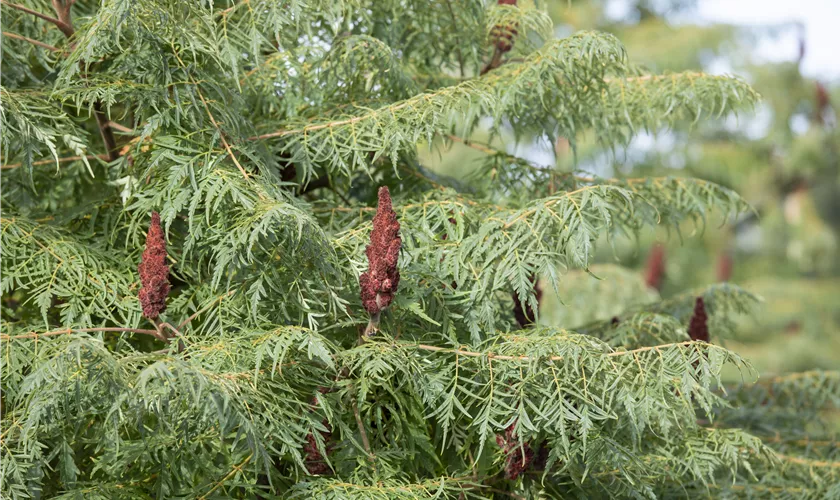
154, 273
698, 328
379, 283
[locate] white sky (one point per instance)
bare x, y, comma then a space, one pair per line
821, 19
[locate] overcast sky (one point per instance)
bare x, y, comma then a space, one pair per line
821, 19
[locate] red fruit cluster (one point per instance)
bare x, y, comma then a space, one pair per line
698, 328
503, 36
379, 283
520, 456
154, 273
655, 270
524, 313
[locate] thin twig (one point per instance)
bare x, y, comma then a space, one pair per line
33, 42
212, 118
168, 326
236, 468
809, 462
503, 357
65, 331
64, 27
494, 63
365, 441
204, 309
122, 128
66, 159
455, 29
337, 123
794, 376
801, 442
105, 131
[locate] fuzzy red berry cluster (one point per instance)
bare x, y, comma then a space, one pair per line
524, 313
519, 457
379, 283
154, 273
698, 327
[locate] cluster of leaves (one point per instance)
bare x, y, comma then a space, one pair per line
261, 131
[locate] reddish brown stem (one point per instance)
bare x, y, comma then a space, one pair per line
494, 63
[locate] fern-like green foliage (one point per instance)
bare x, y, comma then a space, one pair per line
261, 131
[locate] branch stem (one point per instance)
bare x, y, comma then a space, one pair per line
66, 159
106, 132
204, 309
64, 27
503, 357
363, 433
66, 331
33, 42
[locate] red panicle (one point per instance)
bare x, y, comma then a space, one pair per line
154, 273
379, 283
655, 270
698, 328
524, 314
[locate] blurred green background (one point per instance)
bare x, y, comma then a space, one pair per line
784, 158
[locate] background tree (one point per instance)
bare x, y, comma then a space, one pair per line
258, 137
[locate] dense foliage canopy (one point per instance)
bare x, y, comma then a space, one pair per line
249, 140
